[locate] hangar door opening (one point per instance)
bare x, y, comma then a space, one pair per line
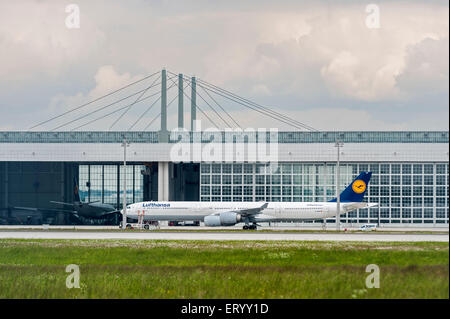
185, 182
104, 182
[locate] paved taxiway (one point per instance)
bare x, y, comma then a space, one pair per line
198, 235
237, 227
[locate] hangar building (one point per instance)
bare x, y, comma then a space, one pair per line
410, 171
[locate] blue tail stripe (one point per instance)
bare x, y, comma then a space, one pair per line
349, 195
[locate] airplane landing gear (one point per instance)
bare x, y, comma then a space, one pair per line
249, 227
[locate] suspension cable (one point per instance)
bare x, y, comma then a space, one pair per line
211, 121
247, 101
258, 110
223, 109
92, 101
146, 111
113, 112
159, 114
131, 105
98, 110
226, 123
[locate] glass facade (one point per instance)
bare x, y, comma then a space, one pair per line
244, 137
96, 176
110, 184
104, 183
416, 193
78, 137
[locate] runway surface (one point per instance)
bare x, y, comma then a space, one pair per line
186, 235
382, 228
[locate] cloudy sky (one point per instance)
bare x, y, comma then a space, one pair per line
323, 63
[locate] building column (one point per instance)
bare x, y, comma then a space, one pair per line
434, 195
118, 184
182, 178
163, 181
6, 184
89, 184
62, 181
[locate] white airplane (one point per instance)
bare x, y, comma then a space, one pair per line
252, 213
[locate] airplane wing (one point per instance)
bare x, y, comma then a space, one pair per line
251, 211
62, 203
36, 209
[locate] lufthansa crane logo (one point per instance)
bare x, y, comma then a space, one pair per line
359, 186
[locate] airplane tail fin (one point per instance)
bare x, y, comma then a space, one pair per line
76, 194
356, 190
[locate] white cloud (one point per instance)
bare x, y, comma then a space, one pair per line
426, 68
286, 52
337, 53
329, 119
35, 42
107, 79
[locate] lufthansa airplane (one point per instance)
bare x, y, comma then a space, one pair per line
252, 213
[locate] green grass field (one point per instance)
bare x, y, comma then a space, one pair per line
228, 269
229, 230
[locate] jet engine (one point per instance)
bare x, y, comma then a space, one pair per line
223, 219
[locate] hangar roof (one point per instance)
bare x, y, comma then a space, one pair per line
247, 136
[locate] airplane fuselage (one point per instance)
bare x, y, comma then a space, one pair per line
92, 210
274, 212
